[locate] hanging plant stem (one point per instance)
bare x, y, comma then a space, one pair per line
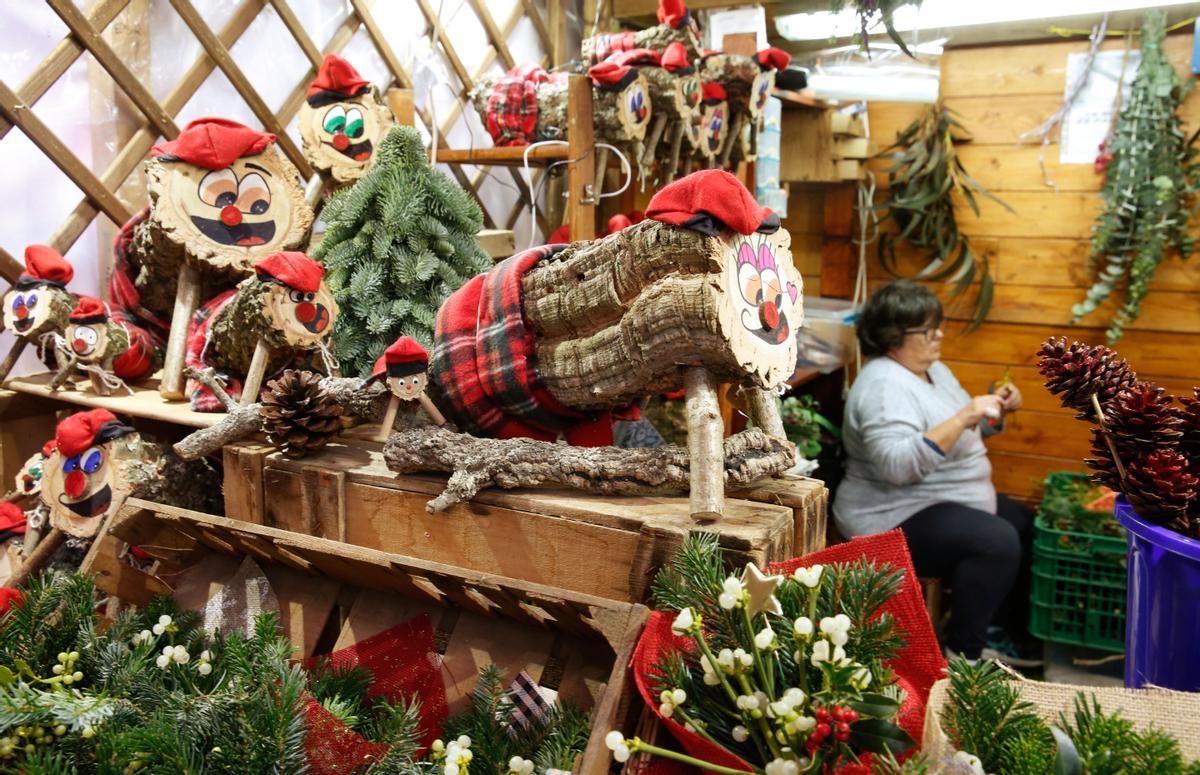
1148, 186
871, 11
925, 175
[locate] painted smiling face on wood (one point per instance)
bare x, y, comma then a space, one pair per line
84, 479
38, 302
767, 299
227, 194
342, 120
91, 336
298, 305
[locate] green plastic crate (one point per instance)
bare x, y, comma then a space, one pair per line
1079, 583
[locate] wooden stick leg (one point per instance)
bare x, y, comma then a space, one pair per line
389, 418
10, 360
734, 137
652, 139
601, 168
705, 452
65, 370
431, 410
764, 411
187, 299
254, 377
40, 556
676, 143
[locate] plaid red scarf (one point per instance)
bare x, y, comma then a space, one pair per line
484, 363
202, 398
609, 43
147, 331
512, 109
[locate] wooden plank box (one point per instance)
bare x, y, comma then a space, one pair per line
607, 546
577, 644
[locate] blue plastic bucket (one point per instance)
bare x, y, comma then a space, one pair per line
1162, 632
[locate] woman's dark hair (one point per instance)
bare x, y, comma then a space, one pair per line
892, 310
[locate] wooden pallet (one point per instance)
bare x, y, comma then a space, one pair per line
580, 643
607, 546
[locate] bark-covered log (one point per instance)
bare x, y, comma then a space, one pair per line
551, 103
475, 464
747, 86
622, 116
655, 38
614, 117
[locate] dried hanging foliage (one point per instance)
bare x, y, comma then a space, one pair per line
925, 175
871, 11
1148, 186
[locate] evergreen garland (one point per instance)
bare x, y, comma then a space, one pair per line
1148, 187
151, 693
398, 242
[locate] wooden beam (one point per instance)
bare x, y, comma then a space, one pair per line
581, 198
25, 119
288, 17
220, 54
539, 23
338, 41
108, 59
451, 55
10, 268
499, 39
134, 152
385, 50
47, 73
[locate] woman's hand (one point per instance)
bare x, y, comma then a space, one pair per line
1010, 398
989, 407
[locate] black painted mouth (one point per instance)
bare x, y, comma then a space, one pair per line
21, 326
244, 234
776, 335
93, 505
358, 152
319, 322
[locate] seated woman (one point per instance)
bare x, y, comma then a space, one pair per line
916, 460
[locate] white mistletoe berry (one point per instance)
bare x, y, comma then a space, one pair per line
764, 638
163, 661
731, 593
203, 668
684, 622
740, 733
809, 577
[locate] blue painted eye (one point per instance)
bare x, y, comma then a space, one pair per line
92, 460
71, 464
18, 302
31, 300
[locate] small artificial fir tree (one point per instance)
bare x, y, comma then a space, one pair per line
398, 242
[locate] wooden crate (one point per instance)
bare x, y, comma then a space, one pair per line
608, 546
582, 643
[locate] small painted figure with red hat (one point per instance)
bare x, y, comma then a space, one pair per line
342, 121
38, 302
404, 366
91, 342
284, 309
82, 479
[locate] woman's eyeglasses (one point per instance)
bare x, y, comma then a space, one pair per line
928, 332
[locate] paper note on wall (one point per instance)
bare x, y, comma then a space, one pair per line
1086, 124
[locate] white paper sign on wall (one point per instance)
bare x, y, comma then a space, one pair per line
1086, 124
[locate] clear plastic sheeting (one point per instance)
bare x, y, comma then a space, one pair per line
888, 74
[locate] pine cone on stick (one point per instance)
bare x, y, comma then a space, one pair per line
1142, 420
299, 416
1104, 470
1163, 489
1074, 373
1189, 416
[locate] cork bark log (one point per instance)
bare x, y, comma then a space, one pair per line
655, 38
237, 328
742, 78
475, 464
551, 103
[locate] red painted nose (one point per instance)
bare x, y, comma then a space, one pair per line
79, 345
306, 311
230, 215
22, 312
75, 484
768, 315
341, 142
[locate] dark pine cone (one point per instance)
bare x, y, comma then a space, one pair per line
1143, 419
1189, 443
1163, 489
1074, 373
1105, 470
298, 415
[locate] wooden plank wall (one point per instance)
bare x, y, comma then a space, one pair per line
1039, 254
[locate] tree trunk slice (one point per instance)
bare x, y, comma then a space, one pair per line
187, 300
254, 375
475, 464
669, 92
706, 491
614, 119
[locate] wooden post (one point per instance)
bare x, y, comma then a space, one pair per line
734, 137
187, 299
256, 372
705, 451
10, 360
581, 196
389, 418
402, 105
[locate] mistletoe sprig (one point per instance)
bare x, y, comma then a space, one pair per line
1150, 179
786, 673
871, 11
926, 174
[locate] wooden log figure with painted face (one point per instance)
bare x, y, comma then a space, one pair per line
403, 367
714, 122
90, 342
29, 478
342, 121
38, 303
85, 476
676, 25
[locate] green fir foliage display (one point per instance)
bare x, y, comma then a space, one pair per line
986, 718
151, 693
398, 242
1148, 186
926, 177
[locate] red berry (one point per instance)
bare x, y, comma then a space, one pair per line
822, 731
850, 716
843, 732
821, 714
837, 712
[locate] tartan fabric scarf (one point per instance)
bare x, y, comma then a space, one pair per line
609, 43
202, 398
512, 109
147, 331
485, 368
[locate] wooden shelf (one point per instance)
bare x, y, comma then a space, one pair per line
799, 99
145, 401
509, 156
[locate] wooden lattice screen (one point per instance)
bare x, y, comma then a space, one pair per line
99, 191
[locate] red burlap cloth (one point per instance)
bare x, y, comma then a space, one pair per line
917, 666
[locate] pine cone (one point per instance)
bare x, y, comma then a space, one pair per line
1189, 442
1163, 489
1074, 373
1143, 419
298, 415
1105, 470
